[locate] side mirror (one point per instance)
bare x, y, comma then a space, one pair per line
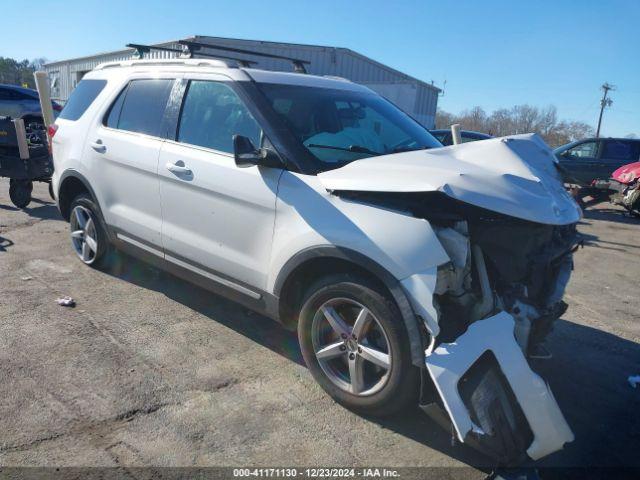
247, 155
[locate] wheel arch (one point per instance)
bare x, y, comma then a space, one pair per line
314, 262
72, 184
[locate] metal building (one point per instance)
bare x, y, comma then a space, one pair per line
414, 96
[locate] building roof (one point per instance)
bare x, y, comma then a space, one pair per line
268, 44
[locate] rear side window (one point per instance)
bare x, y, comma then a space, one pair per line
212, 113
621, 151
83, 96
140, 107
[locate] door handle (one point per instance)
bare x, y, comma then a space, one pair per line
178, 167
98, 146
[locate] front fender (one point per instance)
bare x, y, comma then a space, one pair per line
311, 222
309, 216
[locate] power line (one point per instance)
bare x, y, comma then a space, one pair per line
604, 102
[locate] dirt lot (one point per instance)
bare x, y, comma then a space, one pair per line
149, 370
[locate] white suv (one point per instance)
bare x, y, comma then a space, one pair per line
412, 272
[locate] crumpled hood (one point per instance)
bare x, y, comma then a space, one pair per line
513, 175
627, 173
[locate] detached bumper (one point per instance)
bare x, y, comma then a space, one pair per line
449, 362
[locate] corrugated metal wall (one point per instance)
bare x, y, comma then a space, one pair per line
417, 98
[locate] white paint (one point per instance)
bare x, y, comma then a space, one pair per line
448, 363
513, 175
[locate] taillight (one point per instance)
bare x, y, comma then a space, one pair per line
56, 107
51, 131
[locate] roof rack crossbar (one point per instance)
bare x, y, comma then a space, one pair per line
298, 65
186, 53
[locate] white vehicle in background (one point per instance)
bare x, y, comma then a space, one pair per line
412, 272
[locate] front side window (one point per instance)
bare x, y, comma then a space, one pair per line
81, 98
584, 150
140, 107
339, 126
212, 113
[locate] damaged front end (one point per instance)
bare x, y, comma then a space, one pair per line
500, 212
494, 303
497, 301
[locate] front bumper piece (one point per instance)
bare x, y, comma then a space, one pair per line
448, 363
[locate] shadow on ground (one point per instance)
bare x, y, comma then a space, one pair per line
269, 333
599, 406
610, 214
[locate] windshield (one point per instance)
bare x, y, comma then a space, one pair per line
340, 126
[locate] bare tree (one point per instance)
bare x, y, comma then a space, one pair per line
519, 119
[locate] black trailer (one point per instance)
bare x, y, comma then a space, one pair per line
24, 158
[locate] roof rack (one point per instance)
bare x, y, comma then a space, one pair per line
298, 65
209, 62
186, 52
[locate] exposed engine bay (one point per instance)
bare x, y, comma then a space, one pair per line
497, 263
506, 278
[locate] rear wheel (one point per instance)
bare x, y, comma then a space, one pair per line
356, 347
20, 192
88, 234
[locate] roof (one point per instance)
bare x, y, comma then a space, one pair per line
28, 91
248, 43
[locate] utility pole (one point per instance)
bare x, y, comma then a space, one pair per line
604, 102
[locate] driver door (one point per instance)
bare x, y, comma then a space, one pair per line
217, 218
581, 162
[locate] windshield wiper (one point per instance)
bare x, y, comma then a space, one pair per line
409, 149
350, 148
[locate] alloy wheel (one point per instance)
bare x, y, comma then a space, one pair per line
84, 237
351, 346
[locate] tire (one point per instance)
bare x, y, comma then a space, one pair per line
53, 197
88, 234
335, 360
20, 192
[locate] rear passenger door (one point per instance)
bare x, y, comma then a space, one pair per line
217, 218
125, 149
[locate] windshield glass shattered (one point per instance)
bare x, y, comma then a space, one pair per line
340, 126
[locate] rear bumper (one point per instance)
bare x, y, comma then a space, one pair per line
449, 362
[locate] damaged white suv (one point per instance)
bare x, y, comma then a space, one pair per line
412, 272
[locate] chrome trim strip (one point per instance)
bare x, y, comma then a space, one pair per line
140, 245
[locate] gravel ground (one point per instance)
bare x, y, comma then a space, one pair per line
148, 370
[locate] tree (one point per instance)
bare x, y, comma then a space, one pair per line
14, 72
518, 119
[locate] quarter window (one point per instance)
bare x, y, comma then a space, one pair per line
81, 97
140, 107
212, 113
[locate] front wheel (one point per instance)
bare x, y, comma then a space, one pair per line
355, 344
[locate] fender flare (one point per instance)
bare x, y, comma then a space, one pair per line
72, 173
394, 286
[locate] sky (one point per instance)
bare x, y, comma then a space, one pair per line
491, 53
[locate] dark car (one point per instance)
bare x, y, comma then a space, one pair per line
444, 136
596, 158
19, 102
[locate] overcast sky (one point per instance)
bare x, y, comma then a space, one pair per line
491, 53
